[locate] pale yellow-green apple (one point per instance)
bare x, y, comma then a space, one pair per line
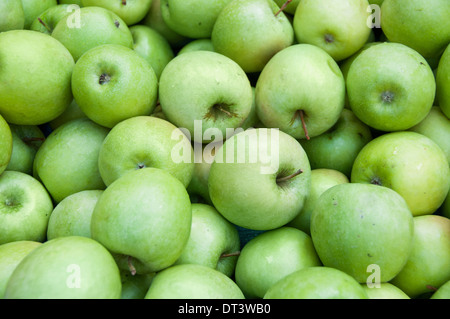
73, 267
289, 6
130, 11
112, 83
192, 281
316, 283
207, 88
25, 208
152, 46
443, 292
443, 82
72, 216
46, 68
409, 163
272, 255
355, 226
338, 27
33, 8
385, 290
436, 126
12, 16
135, 286
213, 241
48, 19
145, 218
6, 144
11, 254
338, 147
145, 141
197, 44
259, 179
90, 27
67, 162
423, 25
301, 91
428, 266
390, 87
251, 32
192, 18
72, 112
26, 141
321, 180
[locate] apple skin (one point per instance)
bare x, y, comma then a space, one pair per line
143, 141
48, 66
385, 291
97, 26
72, 216
77, 2
270, 256
409, 163
356, 225
192, 281
316, 283
33, 8
135, 286
112, 83
211, 237
338, 147
294, 80
12, 16
443, 82
146, 215
196, 45
25, 207
256, 201
443, 292
390, 87
429, 262
152, 46
11, 254
339, 28
72, 112
422, 25
321, 180
198, 186
6, 144
265, 34
51, 270
290, 8
50, 18
67, 162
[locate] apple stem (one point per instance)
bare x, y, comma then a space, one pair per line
33, 139
304, 124
431, 288
283, 7
286, 178
43, 23
124, 2
131, 266
236, 253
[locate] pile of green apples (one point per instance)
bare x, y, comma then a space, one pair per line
226, 149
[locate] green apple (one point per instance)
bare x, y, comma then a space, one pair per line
72, 267
27, 139
130, 11
192, 281
11, 254
272, 255
91, 27
321, 180
301, 91
436, 126
48, 68
385, 290
33, 8
152, 46
338, 147
197, 44
252, 120
445, 209
289, 6
443, 82
208, 88
338, 27
135, 286
213, 241
145, 216
192, 18
251, 32
409, 163
354, 226
428, 266
77, 2
390, 87
25, 208
145, 141
422, 25
443, 292
259, 179
112, 83
48, 19
316, 283
72, 216
12, 16
72, 112
198, 186
6, 144
67, 162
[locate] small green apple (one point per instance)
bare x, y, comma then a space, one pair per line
443, 82
135, 286
192, 281
12, 16
386, 290
33, 8
443, 292
6, 144
197, 44
48, 19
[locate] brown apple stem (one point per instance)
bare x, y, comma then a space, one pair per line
225, 111
124, 2
283, 7
131, 266
43, 23
286, 178
33, 139
431, 288
304, 124
236, 253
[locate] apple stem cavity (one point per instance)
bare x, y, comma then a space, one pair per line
104, 78
329, 38
286, 178
376, 181
225, 255
387, 96
283, 7
217, 109
131, 266
43, 23
124, 2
